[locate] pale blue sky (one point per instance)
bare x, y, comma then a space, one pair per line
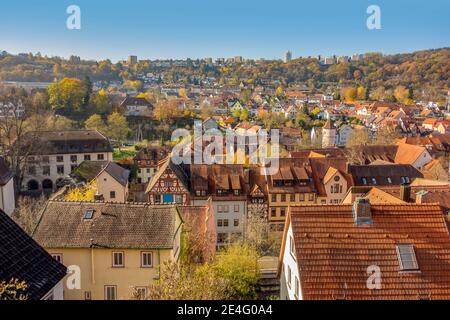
210, 28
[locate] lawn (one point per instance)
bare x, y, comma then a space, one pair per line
125, 152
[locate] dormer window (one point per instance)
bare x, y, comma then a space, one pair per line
237, 192
364, 181
374, 181
389, 180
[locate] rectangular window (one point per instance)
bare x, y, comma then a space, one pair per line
407, 257
226, 208
283, 212
58, 257
222, 237
225, 222
219, 209
60, 169
236, 208
289, 277
100, 156
178, 199
146, 259
273, 212
32, 170
87, 157
283, 198
302, 197
110, 292
219, 222
311, 197
236, 222
59, 159
73, 158
141, 293
112, 194
292, 197
291, 246
118, 260
73, 167
296, 288
274, 198
87, 295
46, 170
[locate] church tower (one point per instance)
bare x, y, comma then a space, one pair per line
328, 135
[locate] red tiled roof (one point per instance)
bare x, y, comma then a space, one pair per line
333, 253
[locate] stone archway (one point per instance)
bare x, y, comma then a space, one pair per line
33, 185
47, 184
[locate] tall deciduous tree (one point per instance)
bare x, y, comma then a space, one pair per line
95, 122
67, 95
118, 127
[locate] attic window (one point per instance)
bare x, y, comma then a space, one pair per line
88, 214
407, 257
364, 181
389, 180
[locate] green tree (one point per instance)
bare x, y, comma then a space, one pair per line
118, 127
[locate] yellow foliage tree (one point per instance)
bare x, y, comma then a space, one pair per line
85, 193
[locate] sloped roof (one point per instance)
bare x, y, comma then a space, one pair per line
333, 253
23, 259
89, 170
381, 173
408, 153
114, 225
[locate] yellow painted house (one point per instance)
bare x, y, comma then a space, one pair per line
117, 248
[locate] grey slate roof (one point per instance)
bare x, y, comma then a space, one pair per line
114, 225
23, 259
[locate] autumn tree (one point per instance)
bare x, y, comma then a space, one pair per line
13, 290
95, 122
83, 193
350, 94
67, 95
27, 212
355, 144
100, 102
118, 127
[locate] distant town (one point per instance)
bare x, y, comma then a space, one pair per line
96, 204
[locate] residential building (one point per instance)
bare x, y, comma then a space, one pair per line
7, 194
169, 185
119, 247
111, 180
23, 259
365, 251
287, 57
12, 110
328, 134
59, 153
147, 160
383, 174
137, 107
227, 186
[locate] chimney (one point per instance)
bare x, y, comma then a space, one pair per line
405, 192
419, 196
362, 213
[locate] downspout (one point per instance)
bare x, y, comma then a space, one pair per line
159, 264
92, 264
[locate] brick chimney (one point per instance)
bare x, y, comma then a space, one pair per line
362, 213
405, 192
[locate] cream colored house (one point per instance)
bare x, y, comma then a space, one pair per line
118, 248
111, 180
